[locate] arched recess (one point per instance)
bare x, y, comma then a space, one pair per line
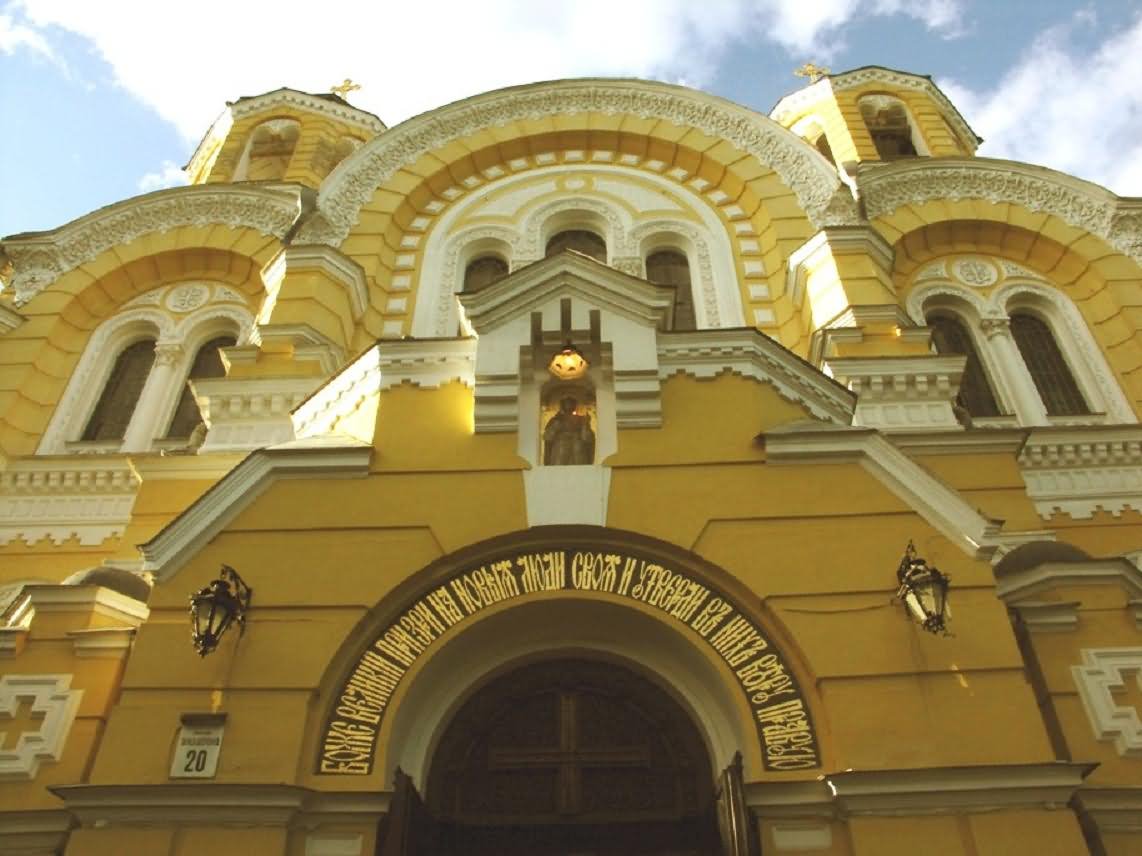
78, 303
1098, 281
553, 592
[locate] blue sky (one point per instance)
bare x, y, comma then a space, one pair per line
104, 99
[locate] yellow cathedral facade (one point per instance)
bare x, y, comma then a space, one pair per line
588, 467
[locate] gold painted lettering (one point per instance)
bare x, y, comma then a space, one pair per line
445, 606
711, 616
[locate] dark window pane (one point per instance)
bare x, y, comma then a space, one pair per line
581, 241
951, 337
121, 393
1047, 366
483, 272
207, 364
890, 131
670, 267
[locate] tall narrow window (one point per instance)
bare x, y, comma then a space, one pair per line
121, 393
1048, 368
207, 364
951, 337
482, 272
824, 148
581, 241
670, 267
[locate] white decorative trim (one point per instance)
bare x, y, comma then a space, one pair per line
886, 187
751, 354
94, 599
1047, 616
939, 504
51, 696
902, 393
10, 319
324, 260
89, 499
1080, 471
339, 397
250, 412
427, 364
352, 184
332, 844
1020, 586
42, 832
102, 641
1113, 809
184, 536
1103, 670
39, 258
347, 114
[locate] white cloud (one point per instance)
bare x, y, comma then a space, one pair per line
411, 57
1067, 109
169, 175
14, 35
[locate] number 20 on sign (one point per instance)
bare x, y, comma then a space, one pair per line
196, 750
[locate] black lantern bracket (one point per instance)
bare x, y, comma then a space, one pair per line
215, 607
923, 590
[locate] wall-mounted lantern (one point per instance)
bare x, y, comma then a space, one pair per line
568, 364
214, 608
924, 592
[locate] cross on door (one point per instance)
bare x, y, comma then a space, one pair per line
22, 721
569, 758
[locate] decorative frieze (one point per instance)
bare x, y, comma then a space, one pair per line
42, 257
249, 413
88, 499
1080, 471
902, 393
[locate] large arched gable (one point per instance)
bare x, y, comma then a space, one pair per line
767, 185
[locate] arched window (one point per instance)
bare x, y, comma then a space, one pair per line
207, 364
121, 393
579, 240
269, 151
1047, 367
888, 124
672, 268
950, 336
483, 271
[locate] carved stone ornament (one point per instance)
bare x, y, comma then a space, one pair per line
1103, 671
41, 258
187, 298
352, 185
53, 699
1078, 203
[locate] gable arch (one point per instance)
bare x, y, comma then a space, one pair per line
549, 592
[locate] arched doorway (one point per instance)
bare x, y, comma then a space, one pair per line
570, 756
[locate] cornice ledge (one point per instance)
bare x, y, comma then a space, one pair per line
835, 240
347, 113
339, 396
939, 504
99, 600
750, 353
1083, 204
946, 790
351, 185
1101, 445
218, 803
39, 258
323, 259
179, 540
31, 833
1013, 588
1113, 809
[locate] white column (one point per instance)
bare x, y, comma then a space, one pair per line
1019, 389
165, 372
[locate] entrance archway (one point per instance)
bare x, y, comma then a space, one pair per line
570, 756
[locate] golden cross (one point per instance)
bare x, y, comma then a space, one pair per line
23, 721
812, 71
345, 88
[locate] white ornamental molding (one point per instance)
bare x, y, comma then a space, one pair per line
353, 183
902, 393
1080, 471
1087, 206
53, 699
1103, 671
88, 499
340, 397
39, 258
249, 413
